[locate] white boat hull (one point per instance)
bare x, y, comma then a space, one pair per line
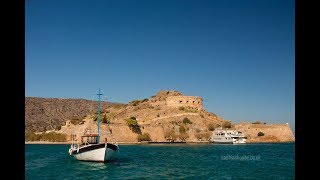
94, 152
223, 142
93, 155
228, 137
240, 141
229, 141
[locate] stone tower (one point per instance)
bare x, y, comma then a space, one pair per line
176, 99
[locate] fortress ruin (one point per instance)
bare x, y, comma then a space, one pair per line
176, 99
190, 101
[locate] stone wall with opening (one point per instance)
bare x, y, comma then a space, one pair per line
190, 101
160, 98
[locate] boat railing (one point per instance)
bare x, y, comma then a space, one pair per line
78, 134
237, 135
90, 132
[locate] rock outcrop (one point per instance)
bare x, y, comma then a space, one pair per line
272, 132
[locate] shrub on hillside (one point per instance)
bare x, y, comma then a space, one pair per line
182, 129
257, 122
144, 137
111, 116
203, 136
95, 117
31, 136
76, 121
211, 127
131, 122
227, 124
133, 125
144, 100
212, 114
135, 102
199, 136
51, 136
170, 135
57, 128
207, 135
260, 134
105, 119
186, 121
183, 136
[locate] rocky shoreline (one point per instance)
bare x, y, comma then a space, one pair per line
133, 143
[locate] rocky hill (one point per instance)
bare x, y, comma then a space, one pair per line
43, 114
168, 113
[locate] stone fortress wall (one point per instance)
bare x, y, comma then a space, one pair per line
179, 101
176, 99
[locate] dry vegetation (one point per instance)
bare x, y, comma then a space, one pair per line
42, 114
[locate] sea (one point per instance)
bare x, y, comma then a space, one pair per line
166, 161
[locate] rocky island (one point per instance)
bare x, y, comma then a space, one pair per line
168, 116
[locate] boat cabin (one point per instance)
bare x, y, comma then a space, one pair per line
89, 139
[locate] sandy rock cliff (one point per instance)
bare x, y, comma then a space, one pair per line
272, 132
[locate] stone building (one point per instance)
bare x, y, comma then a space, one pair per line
190, 101
176, 99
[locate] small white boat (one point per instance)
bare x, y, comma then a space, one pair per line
228, 137
90, 148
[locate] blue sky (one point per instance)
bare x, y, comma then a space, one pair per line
238, 55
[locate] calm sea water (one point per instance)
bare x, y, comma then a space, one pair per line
164, 161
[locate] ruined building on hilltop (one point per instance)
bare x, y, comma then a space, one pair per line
176, 99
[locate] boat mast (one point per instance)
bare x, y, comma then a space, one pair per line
99, 94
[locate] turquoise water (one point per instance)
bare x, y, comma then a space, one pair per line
164, 161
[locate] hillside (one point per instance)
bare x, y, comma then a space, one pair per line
43, 114
272, 132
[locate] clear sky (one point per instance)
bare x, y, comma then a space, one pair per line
238, 55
